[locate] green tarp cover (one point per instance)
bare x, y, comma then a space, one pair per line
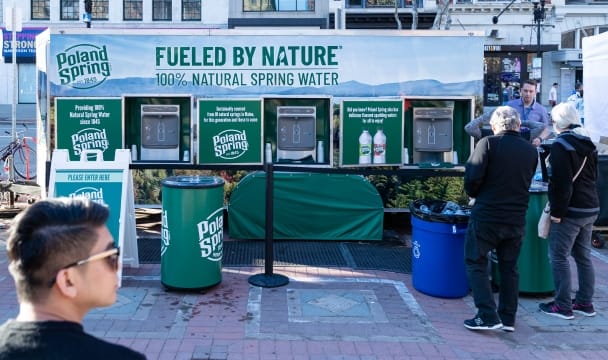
307, 206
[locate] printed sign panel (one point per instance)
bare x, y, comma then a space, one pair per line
89, 124
372, 132
249, 64
230, 132
101, 186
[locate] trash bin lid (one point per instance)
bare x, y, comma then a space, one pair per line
192, 182
433, 211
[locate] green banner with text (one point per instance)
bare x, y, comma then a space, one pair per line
89, 124
372, 132
101, 186
230, 131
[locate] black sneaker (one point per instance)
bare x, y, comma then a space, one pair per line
583, 309
477, 323
551, 308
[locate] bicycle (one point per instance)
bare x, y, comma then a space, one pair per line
23, 154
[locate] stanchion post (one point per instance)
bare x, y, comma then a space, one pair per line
268, 279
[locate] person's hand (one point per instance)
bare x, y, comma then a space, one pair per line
556, 220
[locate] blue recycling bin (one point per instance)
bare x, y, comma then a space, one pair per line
438, 267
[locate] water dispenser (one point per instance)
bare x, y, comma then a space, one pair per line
296, 133
433, 135
160, 126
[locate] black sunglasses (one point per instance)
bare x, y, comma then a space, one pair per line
111, 257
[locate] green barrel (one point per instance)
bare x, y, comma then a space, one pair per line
192, 231
535, 275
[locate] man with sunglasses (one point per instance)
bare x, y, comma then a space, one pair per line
63, 260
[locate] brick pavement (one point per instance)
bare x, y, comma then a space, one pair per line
325, 313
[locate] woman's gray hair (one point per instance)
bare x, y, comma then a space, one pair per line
566, 117
505, 118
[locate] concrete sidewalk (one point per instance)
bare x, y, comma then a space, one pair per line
325, 313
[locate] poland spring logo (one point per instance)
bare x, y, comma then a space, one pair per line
90, 139
230, 144
83, 66
211, 235
89, 192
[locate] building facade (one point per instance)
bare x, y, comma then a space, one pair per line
524, 40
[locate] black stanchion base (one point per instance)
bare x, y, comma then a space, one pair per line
268, 281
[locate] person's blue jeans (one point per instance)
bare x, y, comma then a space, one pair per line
572, 236
481, 237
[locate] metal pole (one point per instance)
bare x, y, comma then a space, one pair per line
538, 28
268, 279
11, 171
269, 225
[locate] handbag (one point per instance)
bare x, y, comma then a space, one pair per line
544, 222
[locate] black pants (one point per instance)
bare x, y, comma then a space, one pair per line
482, 237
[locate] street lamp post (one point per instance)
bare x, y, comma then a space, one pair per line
539, 18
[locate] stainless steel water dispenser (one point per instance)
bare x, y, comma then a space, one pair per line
160, 132
296, 133
433, 134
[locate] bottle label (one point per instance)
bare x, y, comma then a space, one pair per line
365, 149
379, 149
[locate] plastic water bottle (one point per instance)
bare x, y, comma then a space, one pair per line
379, 147
133, 152
320, 152
268, 153
365, 148
406, 156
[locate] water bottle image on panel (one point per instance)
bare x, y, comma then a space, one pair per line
365, 148
379, 147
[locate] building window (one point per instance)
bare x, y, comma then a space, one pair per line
378, 3
69, 10
161, 10
132, 10
568, 40
100, 9
278, 5
583, 33
191, 10
503, 74
41, 10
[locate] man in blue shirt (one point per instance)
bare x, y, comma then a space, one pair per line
533, 116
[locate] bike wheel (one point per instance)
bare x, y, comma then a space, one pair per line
24, 160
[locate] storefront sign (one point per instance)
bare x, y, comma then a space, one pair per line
89, 124
230, 131
372, 132
26, 43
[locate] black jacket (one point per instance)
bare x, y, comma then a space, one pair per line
498, 175
578, 199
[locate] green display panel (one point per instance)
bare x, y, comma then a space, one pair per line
101, 186
372, 132
89, 124
230, 131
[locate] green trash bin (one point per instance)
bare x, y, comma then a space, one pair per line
192, 231
535, 275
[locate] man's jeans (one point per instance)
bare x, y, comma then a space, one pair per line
572, 236
482, 237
